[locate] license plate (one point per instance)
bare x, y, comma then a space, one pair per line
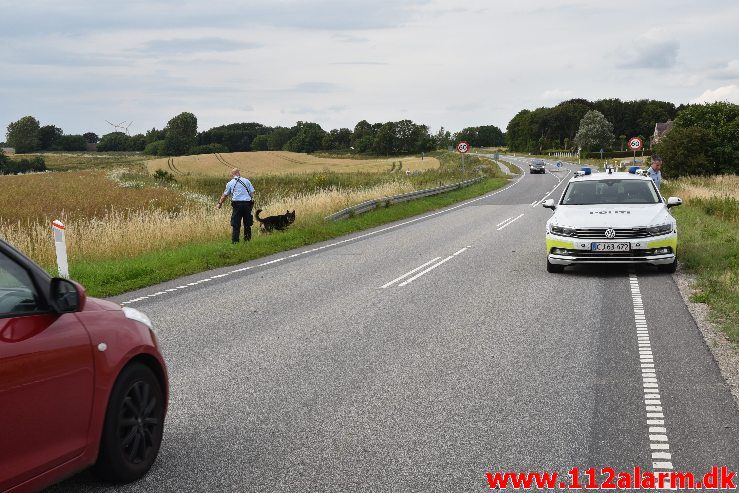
610, 247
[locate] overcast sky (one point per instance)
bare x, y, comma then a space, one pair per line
76, 64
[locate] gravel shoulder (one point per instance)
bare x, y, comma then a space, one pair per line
724, 352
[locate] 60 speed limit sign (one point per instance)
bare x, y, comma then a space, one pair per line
635, 144
463, 147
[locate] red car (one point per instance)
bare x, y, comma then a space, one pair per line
82, 382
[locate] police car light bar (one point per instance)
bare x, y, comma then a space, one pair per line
585, 171
636, 170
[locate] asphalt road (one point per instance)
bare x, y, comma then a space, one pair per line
349, 366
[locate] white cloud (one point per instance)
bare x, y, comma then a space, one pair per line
728, 72
724, 93
653, 49
556, 95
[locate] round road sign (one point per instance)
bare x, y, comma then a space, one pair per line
463, 147
635, 143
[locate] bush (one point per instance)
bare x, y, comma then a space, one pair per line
156, 148
689, 151
114, 141
208, 149
9, 167
163, 176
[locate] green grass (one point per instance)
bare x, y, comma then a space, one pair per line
118, 276
513, 169
709, 247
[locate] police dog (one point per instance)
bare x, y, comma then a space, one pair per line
279, 222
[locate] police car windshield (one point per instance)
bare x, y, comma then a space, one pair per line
613, 191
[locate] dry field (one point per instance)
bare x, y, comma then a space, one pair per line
77, 194
117, 235
705, 187
280, 163
68, 161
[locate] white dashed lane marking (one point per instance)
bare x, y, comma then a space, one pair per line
509, 221
658, 441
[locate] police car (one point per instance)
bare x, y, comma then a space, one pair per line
612, 217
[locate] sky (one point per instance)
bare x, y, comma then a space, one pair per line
81, 64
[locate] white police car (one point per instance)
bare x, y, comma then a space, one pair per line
612, 217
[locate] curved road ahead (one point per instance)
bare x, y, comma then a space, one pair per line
422, 354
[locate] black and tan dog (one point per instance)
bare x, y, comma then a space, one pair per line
280, 221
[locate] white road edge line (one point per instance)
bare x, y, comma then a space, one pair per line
509, 222
359, 237
408, 273
659, 443
431, 268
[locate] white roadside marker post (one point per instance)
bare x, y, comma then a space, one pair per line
61, 248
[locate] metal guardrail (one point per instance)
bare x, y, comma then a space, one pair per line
395, 199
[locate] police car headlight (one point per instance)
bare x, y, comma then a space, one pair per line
562, 231
662, 229
134, 314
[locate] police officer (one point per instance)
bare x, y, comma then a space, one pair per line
242, 200
654, 170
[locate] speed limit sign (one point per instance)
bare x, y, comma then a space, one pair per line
635, 144
463, 147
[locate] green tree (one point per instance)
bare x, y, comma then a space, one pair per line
154, 135
23, 135
47, 137
69, 143
384, 142
308, 138
688, 151
594, 132
113, 142
521, 132
337, 139
260, 143
704, 140
236, 137
181, 134
442, 139
91, 137
278, 138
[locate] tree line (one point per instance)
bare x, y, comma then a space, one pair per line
180, 136
704, 139
555, 128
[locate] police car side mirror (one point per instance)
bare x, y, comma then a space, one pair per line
674, 201
549, 204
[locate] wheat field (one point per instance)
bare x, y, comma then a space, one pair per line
281, 162
705, 187
126, 234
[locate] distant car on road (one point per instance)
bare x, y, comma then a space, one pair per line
537, 166
611, 217
82, 381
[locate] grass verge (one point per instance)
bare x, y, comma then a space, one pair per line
709, 248
108, 278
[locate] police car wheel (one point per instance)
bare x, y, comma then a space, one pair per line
668, 268
554, 268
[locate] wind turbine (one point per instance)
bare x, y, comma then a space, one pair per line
128, 126
118, 127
